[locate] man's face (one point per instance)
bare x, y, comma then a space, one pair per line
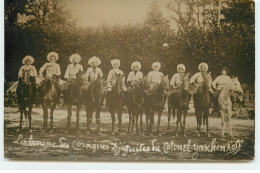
135, 68
75, 60
156, 68
27, 62
94, 64
52, 58
116, 65
224, 72
202, 68
180, 70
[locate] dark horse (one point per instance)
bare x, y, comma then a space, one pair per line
116, 101
94, 100
49, 97
73, 96
179, 100
26, 96
154, 102
202, 103
136, 97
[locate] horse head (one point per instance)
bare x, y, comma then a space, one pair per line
207, 80
235, 86
165, 83
118, 88
185, 81
26, 77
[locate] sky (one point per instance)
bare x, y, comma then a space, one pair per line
97, 12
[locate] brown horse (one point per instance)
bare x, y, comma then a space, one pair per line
179, 100
116, 100
202, 103
94, 100
136, 97
26, 96
154, 102
74, 95
49, 97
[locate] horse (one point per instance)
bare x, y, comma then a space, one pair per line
74, 95
202, 103
116, 100
49, 98
136, 97
94, 100
225, 104
179, 100
26, 96
154, 102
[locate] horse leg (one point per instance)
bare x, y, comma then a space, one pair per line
141, 121
136, 122
113, 116
184, 122
77, 117
159, 121
30, 118
120, 112
51, 117
222, 122
169, 116
147, 122
199, 122
21, 119
229, 124
26, 117
151, 122
129, 124
178, 121
133, 121
69, 117
207, 122
45, 117
98, 120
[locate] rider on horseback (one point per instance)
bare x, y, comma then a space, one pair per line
111, 78
155, 77
94, 72
135, 75
219, 83
27, 61
176, 81
72, 70
51, 69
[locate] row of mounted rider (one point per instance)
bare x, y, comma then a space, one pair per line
145, 94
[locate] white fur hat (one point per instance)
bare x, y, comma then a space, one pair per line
94, 59
76, 57
52, 54
203, 64
156, 64
28, 58
115, 61
182, 66
136, 63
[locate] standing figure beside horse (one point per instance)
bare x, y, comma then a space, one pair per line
224, 87
49, 88
95, 94
135, 97
179, 98
201, 82
26, 90
156, 97
76, 82
116, 93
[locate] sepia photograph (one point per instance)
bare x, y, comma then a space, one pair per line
129, 80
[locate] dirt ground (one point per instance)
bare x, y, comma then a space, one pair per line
124, 147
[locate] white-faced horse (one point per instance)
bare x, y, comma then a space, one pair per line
225, 104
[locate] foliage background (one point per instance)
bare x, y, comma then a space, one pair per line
197, 37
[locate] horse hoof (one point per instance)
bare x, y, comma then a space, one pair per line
198, 135
43, 131
30, 131
209, 135
18, 130
184, 135
176, 135
222, 135
159, 134
99, 133
66, 132
77, 132
113, 133
88, 133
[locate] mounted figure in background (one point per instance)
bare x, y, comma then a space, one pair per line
200, 83
49, 88
76, 84
225, 87
26, 90
179, 98
136, 96
155, 96
95, 94
116, 93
